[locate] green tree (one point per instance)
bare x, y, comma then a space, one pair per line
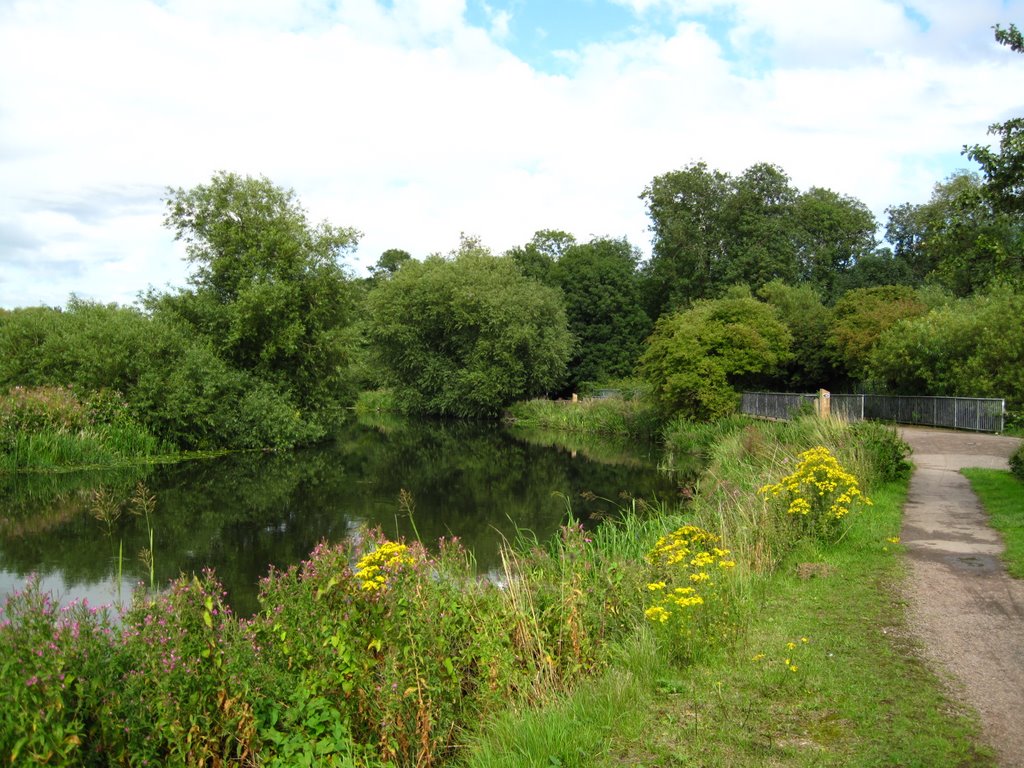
833, 234
859, 319
601, 289
1004, 170
467, 335
686, 208
389, 262
973, 347
800, 308
696, 359
268, 288
537, 258
759, 228
957, 239
875, 269
712, 230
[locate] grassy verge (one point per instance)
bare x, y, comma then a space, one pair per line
854, 694
821, 672
1002, 496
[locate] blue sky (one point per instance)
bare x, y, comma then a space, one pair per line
417, 120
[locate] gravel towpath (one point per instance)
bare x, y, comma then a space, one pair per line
967, 612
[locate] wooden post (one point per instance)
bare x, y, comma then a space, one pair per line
575, 398
824, 403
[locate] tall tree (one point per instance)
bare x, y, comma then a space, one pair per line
957, 239
537, 258
686, 208
759, 228
1004, 170
468, 334
600, 284
712, 230
833, 233
389, 262
268, 287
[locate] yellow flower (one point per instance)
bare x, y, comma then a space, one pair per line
791, 646
893, 539
792, 667
654, 586
657, 613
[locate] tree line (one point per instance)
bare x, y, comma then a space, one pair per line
751, 283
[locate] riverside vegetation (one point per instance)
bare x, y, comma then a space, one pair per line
338, 667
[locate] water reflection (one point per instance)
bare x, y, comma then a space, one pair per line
241, 514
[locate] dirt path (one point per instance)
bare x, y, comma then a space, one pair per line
967, 612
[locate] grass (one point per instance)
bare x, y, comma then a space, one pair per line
1002, 496
860, 695
605, 416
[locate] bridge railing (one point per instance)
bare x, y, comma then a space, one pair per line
979, 414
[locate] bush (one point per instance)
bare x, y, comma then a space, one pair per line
886, 454
1017, 462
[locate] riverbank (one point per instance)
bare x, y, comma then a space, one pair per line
337, 657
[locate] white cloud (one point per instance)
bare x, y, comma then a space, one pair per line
411, 125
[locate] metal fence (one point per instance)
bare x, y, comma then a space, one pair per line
979, 414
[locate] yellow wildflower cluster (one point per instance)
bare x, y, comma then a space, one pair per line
685, 561
372, 568
819, 489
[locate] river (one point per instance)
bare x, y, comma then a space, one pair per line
243, 513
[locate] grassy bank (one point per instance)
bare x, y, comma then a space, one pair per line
634, 418
821, 672
1002, 495
659, 617
52, 428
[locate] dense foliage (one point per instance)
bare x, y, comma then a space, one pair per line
254, 354
971, 347
696, 359
467, 335
712, 230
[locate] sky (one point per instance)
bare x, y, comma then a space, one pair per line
417, 120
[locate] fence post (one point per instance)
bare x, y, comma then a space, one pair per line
824, 403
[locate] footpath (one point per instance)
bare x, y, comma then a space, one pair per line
963, 607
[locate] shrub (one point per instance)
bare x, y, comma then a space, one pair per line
55, 670
1017, 462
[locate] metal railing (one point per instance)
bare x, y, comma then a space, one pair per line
978, 414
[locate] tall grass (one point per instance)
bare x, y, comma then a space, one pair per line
53, 428
607, 416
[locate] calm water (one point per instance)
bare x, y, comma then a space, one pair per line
241, 514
